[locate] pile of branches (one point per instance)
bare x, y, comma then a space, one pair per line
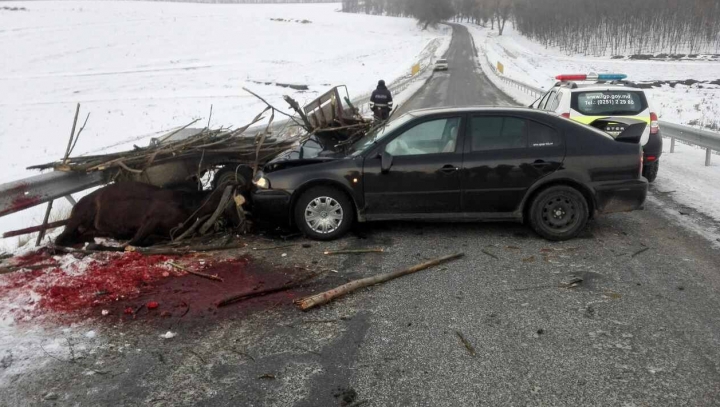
212, 145
206, 144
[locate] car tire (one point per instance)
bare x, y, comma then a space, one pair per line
242, 176
332, 206
650, 170
558, 213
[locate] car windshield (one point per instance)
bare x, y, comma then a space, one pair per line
378, 133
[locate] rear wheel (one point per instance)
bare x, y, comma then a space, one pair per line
650, 170
559, 213
323, 213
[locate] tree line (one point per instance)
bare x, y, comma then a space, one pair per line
575, 26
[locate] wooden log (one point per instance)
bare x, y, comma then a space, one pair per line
192, 228
43, 227
19, 232
224, 202
327, 296
254, 294
196, 273
296, 107
355, 251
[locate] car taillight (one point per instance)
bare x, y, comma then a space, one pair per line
651, 158
654, 126
565, 115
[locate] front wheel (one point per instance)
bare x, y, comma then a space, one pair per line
650, 170
323, 213
559, 213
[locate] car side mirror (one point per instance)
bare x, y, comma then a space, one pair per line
385, 161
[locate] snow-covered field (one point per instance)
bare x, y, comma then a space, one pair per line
534, 64
141, 68
683, 175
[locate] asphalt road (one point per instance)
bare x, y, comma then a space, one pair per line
641, 329
462, 84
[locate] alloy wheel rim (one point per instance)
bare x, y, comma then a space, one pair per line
324, 215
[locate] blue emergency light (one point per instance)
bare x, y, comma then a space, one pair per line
592, 76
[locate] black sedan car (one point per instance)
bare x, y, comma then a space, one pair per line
475, 163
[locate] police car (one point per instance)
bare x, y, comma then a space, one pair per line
588, 98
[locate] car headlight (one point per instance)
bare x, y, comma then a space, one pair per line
262, 183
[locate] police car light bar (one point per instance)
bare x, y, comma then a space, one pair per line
592, 77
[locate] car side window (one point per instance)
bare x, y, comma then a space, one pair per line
497, 133
540, 135
555, 102
547, 100
430, 137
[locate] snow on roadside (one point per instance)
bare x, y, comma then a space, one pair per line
534, 64
141, 68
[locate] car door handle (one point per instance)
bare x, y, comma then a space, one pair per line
449, 169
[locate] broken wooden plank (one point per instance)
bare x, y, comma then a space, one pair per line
327, 296
33, 229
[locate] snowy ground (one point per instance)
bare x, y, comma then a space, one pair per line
534, 64
143, 68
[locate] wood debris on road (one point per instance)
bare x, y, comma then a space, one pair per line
467, 343
327, 296
195, 273
353, 251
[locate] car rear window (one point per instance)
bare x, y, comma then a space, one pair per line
609, 102
441, 61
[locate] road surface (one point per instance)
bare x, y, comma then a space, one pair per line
641, 329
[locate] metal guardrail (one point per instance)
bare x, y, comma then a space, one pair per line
706, 139
23, 194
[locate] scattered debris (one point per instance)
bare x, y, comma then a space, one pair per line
346, 396
152, 305
327, 296
50, 396
530, 259
168, 335
104, 312
612, 295
275, 247
489, 254
572, 283
512, 248
252, 294
540, 331
195, 273
90, 334
353, 251
267, 376
589, 311
681, 288
643, 250
467, 344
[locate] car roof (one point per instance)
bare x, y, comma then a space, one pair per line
477, 109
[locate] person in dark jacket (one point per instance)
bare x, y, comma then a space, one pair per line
381, 102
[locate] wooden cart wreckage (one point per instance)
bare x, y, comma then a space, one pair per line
182, 161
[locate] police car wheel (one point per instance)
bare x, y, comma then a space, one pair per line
650, 170
558, 213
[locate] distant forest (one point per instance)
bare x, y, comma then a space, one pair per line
595, 27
